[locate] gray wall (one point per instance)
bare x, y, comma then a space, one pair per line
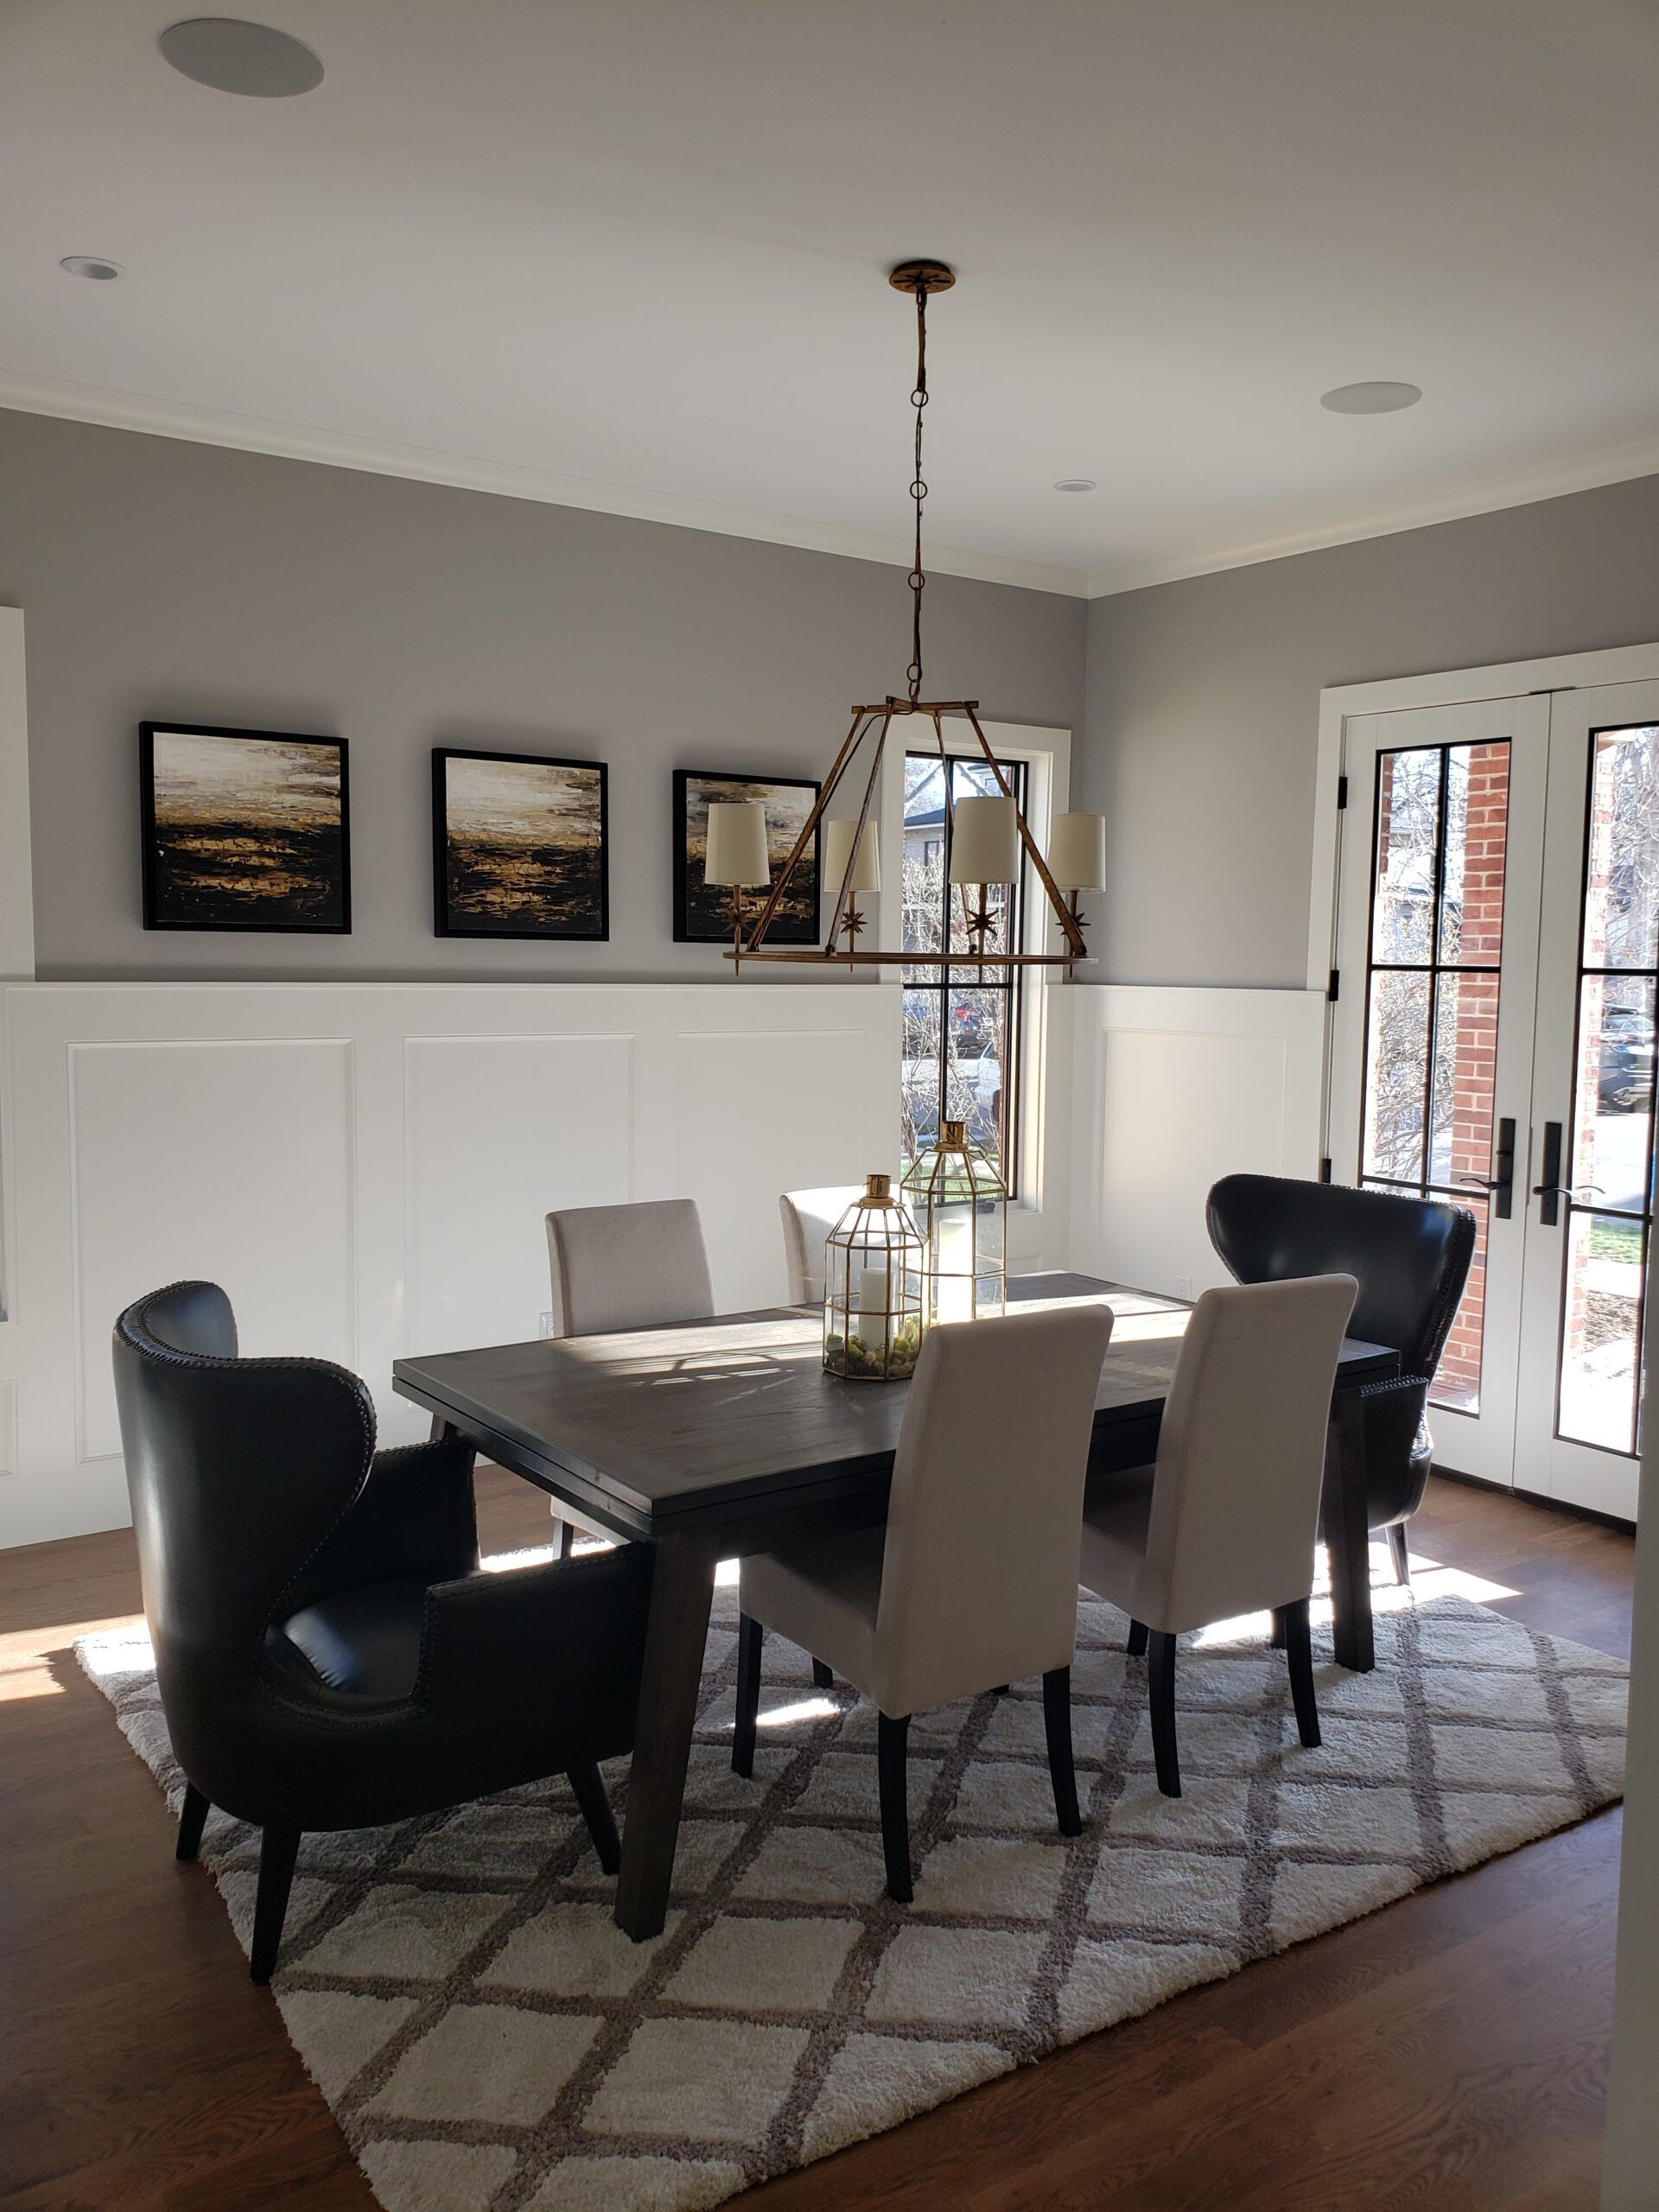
162, 579
1203, 707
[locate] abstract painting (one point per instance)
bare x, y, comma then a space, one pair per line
703, 911
520, 845
243, 829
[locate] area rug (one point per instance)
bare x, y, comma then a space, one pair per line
489, 2041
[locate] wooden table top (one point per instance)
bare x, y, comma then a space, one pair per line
696, 1420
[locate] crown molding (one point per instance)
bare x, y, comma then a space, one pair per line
1620, 465
172, 418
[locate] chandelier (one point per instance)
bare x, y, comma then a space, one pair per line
986, 835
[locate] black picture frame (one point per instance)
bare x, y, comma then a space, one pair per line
449, 917
703, 917
179, 894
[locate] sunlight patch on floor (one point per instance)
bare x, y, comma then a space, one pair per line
26, 1655
509, 1562
27, 1678
119, 1653
806, 1708
1429, 1580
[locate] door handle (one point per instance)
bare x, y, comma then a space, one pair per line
1502, 1185
1550, 1191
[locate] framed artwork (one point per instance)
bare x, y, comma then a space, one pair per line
521, 846
243, 829
702, 913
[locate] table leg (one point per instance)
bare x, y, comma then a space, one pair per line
1347, 1538
681, 1593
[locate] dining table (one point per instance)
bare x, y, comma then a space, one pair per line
714, 1440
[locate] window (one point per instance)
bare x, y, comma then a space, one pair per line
960, 1018
1432, 988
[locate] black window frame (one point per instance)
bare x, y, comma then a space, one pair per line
1424, 1184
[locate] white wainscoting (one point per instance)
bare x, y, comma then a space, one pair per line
1172, 1089
366, 1167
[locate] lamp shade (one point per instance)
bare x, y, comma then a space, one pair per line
735, 852
984, 841
838, 845
1076, 852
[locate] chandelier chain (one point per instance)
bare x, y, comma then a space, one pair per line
917, 492
875, 723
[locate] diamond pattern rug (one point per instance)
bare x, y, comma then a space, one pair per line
490, 2042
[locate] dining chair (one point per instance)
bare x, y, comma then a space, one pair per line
973, 1583
808, 1217
1225, 1524
627, 1267
328, 1652
1411, 1258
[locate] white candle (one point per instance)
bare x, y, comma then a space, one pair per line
955, 1292
873, 1310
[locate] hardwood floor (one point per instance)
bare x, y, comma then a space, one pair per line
1449, 2052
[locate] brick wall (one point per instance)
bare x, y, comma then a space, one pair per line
1468, 1014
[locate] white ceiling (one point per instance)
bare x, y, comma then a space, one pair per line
630, 253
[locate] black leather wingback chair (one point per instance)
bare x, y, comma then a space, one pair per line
1410, 1257
329, 1653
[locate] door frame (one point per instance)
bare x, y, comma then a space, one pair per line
1455, 687
1340, 703
1477, 1440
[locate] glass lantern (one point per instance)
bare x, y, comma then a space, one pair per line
873, 1289
962, 1211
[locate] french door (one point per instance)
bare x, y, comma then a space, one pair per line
1493, 1043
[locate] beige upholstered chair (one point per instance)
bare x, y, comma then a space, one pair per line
973, 1583
627, 1267
624, 1267
809, 1216
1227, 1523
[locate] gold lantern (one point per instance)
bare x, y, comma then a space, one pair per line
873, 1289
962, 1211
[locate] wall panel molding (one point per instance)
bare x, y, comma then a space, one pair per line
231, 1159
366, 1167
1171, 1089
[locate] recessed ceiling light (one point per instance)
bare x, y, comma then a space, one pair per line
94, 265
1382, 398
231, 56
1075, 484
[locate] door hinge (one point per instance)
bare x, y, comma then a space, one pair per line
1325, 1169
1341, 793
1336, 986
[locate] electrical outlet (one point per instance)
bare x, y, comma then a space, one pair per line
1183, 1286
544, 1325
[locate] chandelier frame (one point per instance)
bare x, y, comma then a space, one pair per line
918, 278
876, 722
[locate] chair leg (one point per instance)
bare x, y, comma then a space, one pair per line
749, 1633
1276, 1633
278, 1849
892, 1737
1299, 1656
1061, 1771
1399, 1556
1137, 1642
195, 1812
823, 1677
1160, 1682
567, 1538
588, 1786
